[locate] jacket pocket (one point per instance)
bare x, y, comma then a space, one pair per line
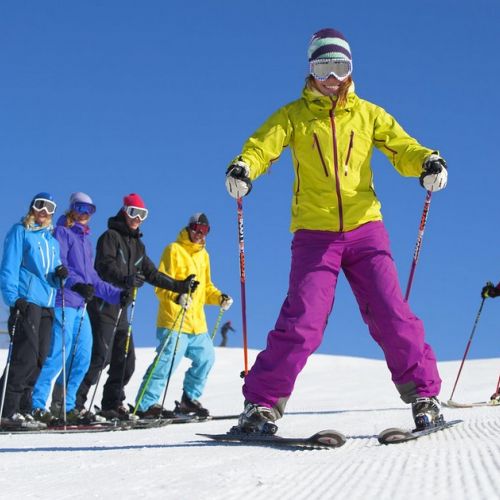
348, 155
320, 154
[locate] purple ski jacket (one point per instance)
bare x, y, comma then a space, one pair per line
77, 256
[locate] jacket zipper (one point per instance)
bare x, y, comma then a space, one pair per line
336, 165
349, 149
318, 147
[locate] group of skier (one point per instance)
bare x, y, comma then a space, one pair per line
336, 225
69, 315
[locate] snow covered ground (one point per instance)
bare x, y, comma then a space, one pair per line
352, 395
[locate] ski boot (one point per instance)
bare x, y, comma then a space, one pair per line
45, 416
495, 399
189, 406
119, 413
155, 411
426, 413
256, 419
20, 423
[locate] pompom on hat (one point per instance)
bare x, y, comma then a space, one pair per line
329, 44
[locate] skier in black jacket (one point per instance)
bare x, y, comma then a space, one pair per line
122, 261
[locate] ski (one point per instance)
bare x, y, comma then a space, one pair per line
325, 439
68, 429
396, 435
455, 404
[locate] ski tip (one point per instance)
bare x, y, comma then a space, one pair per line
330, 438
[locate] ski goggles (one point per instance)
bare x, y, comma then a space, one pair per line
134, 212
83, 208
200, 228
40, 204
321, 69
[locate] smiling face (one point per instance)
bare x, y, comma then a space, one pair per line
330, 86
132, 222
42, 217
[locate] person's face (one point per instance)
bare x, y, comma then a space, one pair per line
82, 219
42, 217
330, 86
196, 235
132, 222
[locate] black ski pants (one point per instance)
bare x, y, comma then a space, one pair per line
30, 347
108, 351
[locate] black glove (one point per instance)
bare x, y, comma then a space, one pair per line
490, 290
86, 290
126, 298
188, 285
22, 306
134, 280
61, 272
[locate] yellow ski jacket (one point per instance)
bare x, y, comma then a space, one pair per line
179, 260
331, 150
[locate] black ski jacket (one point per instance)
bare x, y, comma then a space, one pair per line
121, 253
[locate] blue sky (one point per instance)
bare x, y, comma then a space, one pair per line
157, 97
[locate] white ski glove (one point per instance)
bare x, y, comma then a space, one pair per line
435, 174
225, 302
184, 300
238, 183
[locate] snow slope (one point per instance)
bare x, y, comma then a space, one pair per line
353, 395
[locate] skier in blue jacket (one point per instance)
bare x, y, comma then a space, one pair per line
30, 272
83, 283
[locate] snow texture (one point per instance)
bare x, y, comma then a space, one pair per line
352, 395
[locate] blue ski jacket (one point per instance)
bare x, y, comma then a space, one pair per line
30, 256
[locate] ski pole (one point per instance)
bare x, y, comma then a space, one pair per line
183, 315
129, 335
63, 353
468, 346
77, 337
73, 353
111, 342
242, 282
217, 323
155, 364
418, 245
7, 365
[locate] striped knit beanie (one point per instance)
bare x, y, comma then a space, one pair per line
329, 44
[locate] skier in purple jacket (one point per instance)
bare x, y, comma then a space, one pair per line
73, 329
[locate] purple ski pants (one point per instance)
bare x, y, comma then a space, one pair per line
364, 256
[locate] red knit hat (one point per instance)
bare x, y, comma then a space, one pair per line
133, 200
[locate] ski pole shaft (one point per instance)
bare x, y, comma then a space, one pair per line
110, 346
73, 352
183, 315
156, 360
63, 352
468, 347
242, 282
418, 246
217, 323
7, 365
127, 339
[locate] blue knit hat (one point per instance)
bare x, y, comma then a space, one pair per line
329, 44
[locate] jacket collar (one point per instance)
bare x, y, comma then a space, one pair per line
185, 241
119, 224
320, 104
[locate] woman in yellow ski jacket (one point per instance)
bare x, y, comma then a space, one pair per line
182, 326
337, 225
